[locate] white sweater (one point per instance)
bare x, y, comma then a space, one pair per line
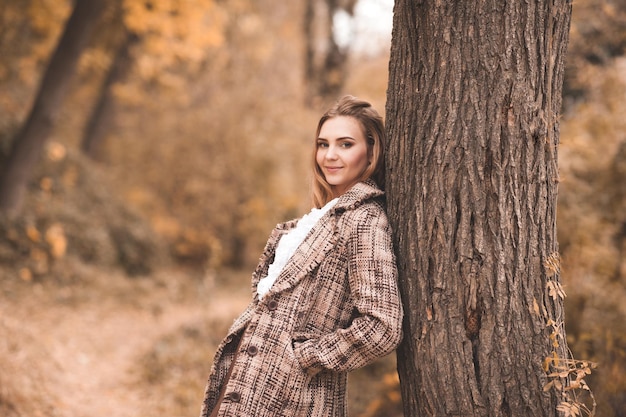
288, 244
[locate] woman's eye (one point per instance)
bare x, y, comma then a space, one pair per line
346, 145
322, 145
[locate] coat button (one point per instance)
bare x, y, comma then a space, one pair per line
272, 305
233, 396
253, 350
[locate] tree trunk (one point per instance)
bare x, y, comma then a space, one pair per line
472, 116
102, 115
325, 68
28, 143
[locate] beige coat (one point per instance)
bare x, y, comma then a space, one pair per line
334, 308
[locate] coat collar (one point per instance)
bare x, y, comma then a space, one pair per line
321, 239
315, 247
355, 196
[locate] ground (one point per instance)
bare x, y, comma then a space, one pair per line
95, 337
130, 347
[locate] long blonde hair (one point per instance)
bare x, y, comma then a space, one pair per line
373, 128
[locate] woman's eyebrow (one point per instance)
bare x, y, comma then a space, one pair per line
340, 138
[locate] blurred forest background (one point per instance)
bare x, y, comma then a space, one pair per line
184, 137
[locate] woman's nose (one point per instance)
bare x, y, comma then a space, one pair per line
331, 153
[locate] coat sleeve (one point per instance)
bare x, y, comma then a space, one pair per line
377, 327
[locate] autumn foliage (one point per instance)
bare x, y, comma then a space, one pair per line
207, 146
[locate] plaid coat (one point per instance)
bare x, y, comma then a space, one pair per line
334, 308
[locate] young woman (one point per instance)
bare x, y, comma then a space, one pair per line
325, 296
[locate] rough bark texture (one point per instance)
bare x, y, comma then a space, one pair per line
28, 143
472, 116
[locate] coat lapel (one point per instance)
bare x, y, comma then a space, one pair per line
320, 240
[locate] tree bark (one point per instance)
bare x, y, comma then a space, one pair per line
472, 116
29, 142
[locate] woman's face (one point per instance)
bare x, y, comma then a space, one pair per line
342, 153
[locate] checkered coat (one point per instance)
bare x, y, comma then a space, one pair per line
334, 308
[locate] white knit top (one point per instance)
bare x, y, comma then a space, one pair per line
288, 244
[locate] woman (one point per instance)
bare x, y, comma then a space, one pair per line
325, 293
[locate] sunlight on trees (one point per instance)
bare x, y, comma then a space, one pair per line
174, 33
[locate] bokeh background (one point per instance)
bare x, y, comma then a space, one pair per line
185, 136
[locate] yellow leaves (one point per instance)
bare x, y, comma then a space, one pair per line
392, 383
394, 396
555, 383
42, 248
553, 264
551, 360
25, 274
546, 364
391, 379
562, 374
174, 32
55, 151
53, 245
553, 268
46, 18
167, 226
45, 15
144, 17
567, 376
94, 58
55, 237
554, 339
555, 290
569, 409
33, 234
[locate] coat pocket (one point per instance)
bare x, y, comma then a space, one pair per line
298, 397
303, 351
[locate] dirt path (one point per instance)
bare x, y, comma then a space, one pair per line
97, 348
96, 345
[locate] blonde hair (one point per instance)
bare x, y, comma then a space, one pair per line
374, 130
